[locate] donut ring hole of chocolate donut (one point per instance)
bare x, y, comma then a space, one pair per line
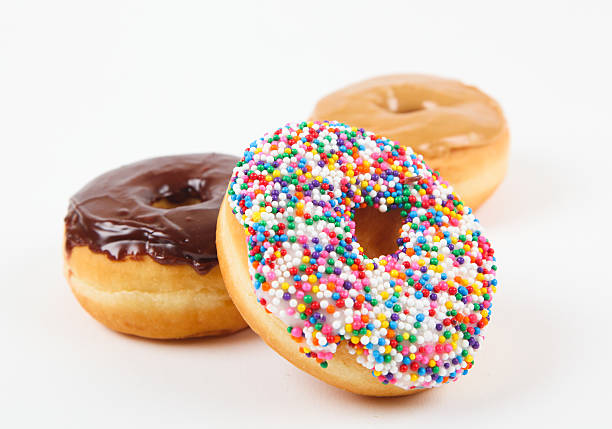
377, 232
168, 199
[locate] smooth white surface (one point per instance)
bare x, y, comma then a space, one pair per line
88, 86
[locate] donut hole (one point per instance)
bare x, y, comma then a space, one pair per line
404, 105
377, 232
168, 199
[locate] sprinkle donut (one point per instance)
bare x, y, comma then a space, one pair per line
383, 325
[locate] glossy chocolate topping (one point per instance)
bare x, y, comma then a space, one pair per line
162, 207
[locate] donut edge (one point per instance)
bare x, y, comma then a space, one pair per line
144, 298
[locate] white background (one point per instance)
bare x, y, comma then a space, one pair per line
88, 86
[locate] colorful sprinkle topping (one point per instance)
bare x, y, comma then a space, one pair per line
414, 318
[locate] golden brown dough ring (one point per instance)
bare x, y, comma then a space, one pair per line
460, 130
144, 298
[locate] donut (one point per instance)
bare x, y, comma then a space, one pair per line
290, 236
139, 248
459, 130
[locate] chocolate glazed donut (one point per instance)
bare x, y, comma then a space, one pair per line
140, 250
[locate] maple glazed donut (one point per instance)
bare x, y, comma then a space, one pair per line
292, 259
461, 131
140, 251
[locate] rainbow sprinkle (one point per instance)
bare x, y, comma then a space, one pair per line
414, 318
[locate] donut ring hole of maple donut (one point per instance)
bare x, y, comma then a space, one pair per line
403, 105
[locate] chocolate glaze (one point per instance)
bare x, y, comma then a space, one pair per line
113, 214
